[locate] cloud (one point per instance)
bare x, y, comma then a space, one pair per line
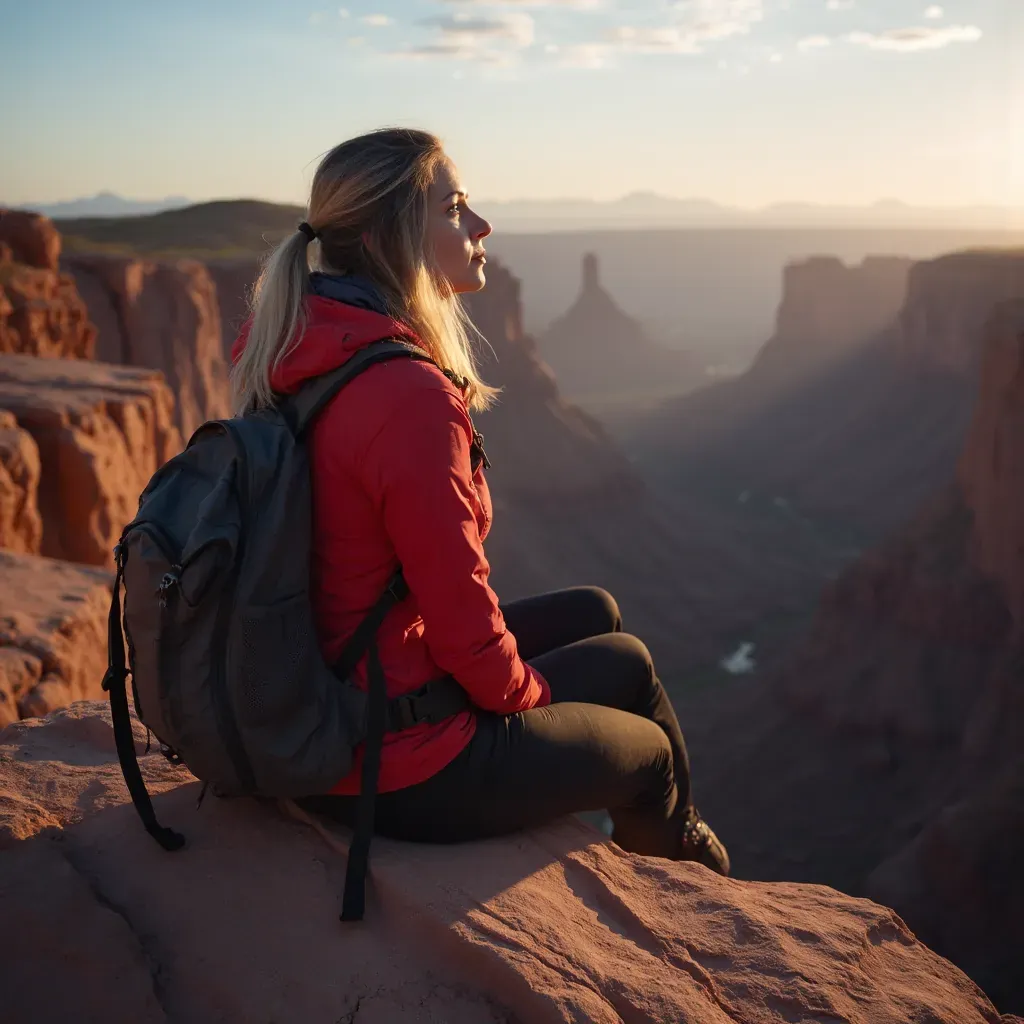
908, 40
934, 11
466, 29
669, 39
484, 40
580, 4
586, 56
814, 43
502, 37
840, 5
377, 20
718, 19
698, 22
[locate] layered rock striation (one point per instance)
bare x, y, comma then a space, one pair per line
21, 527
101, 432
53, 631
161, 315
41, 312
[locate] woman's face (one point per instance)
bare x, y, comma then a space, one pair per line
455, 233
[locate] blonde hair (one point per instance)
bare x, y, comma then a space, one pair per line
368, 205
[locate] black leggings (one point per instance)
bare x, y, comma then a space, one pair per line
609, 739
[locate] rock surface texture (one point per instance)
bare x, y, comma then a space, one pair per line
164, 316
101, 432
41, 312
21, 527
549, 926
53, 634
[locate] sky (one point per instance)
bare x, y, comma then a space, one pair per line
746, 102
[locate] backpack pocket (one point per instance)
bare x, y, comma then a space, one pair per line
277, 653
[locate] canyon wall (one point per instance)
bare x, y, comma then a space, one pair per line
160, 315
101, 431
831, 426
41, 312
887, 755
21, 527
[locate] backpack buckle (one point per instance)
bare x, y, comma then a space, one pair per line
403, 714
112, 676
397, 587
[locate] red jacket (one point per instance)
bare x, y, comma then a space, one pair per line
392, 483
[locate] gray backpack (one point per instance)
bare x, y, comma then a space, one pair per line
222, 651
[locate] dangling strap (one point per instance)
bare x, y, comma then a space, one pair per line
353, 902
359, 643
114, 682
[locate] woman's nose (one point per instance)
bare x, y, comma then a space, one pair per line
481, 229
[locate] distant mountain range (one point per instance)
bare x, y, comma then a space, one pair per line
648, 210
637, 210
105, 204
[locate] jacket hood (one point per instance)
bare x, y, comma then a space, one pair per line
344, 314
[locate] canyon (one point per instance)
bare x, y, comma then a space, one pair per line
600, 354
865, 390
861, 481
882, 756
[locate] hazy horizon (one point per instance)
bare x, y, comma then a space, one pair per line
178, 201
746, 103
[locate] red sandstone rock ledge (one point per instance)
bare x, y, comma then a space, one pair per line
102, 431
162, 315
53, 623
21, 528
548, 926
41, 312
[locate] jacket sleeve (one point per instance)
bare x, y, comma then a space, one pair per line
418, 467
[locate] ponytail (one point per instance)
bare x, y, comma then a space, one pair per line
278, 319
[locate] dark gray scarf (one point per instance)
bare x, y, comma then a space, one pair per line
352, 289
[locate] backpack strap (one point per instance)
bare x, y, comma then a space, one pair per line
359, 643
433, 702
353, 902
301, 408
114, 683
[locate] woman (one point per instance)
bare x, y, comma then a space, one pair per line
567, 713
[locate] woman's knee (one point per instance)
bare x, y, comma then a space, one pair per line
633, 651
600, 610
631, 663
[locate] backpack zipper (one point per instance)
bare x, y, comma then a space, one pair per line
169, 585
163, 542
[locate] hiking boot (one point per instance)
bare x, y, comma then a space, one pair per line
701, 844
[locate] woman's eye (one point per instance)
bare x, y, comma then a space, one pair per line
454, 208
